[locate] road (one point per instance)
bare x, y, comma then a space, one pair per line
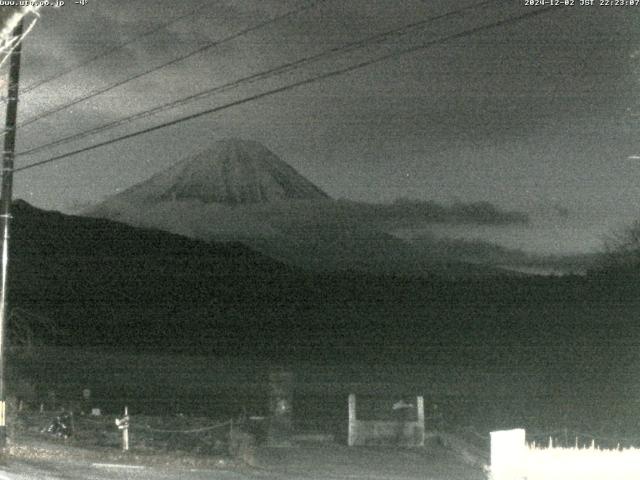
41, 470
77, 470
304, 462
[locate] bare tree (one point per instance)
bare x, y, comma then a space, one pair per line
622, 249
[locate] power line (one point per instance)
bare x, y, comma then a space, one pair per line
291, 86
377, 38
171, 62
105, 53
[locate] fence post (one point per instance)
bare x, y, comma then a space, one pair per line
508, 454
123, 424
352, 420
86, 401
280, 408
125, 431
420, 409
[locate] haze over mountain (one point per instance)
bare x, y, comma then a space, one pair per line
239, 190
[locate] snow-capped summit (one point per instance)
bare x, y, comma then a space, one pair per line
231, 172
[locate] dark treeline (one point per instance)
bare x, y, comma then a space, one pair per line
104, 283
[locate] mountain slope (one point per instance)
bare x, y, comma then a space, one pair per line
104, 282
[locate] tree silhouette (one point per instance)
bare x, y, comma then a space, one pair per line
622, 250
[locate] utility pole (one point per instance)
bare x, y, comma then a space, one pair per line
5, 216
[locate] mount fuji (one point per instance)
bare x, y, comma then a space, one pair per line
238, 190
232, 172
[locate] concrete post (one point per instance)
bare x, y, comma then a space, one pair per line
352, 420
420, 410
125, 431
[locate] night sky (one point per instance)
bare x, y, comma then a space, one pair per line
540, 116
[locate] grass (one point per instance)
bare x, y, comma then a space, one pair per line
97, 439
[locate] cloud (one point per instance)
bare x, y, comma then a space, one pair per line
408, 211
342, 215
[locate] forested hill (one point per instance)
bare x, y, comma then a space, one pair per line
104, 283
